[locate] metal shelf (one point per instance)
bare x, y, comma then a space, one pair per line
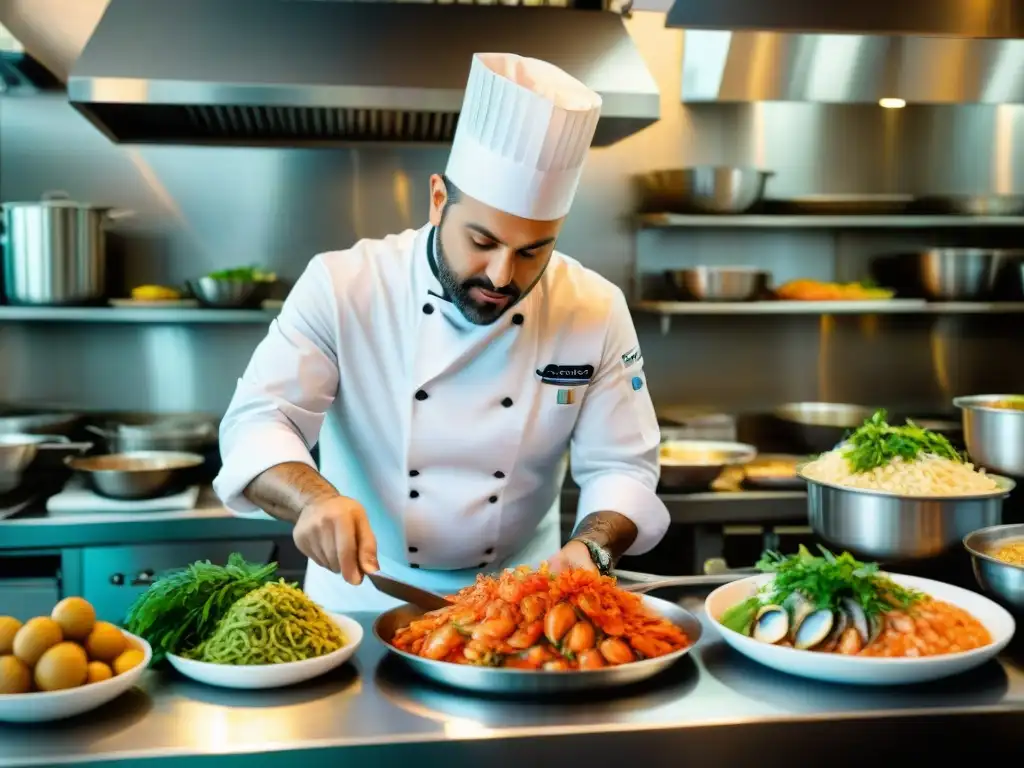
669, 220
135, 315
668, 309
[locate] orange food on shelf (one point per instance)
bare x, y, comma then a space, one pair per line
534, 619
814, 290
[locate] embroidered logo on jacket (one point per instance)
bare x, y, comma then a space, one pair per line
632, 357
566, 375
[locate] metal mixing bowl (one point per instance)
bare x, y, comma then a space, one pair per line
703, 189
223, 294
718, 283
885, 526
956, 274
693, 465
994, 436
819, 427
136, 475
1003, 581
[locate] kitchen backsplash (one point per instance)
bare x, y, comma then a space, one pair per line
204, 208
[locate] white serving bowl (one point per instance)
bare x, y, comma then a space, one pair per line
864, 670
43, 706
252, 677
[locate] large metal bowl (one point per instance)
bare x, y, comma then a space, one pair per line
226, 294
703, 189
885, 526
497, 680
136, 475
958, 274
819, 427
693, 465
1003, 581
994, 436
718, 283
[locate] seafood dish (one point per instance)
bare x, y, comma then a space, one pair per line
908, 461
836, 604
529, 619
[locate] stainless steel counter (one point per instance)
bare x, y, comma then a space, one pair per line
714, 706
35, 529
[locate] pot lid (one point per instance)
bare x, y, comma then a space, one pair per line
55, 199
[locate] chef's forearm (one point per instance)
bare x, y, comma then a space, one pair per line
611, 530
284, 490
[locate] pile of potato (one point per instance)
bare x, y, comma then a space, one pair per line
66, 649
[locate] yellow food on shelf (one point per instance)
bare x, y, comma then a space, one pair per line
814, 290
63, 666
36, 638
97, 672
130, 659
15, 676
9, 627
155, 293
105, 643
75, 617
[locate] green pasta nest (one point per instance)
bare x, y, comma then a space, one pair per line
273, 624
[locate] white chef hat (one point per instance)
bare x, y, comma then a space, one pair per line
522, 136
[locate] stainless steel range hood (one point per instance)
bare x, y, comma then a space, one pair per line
919, 51
239, 72
942, 18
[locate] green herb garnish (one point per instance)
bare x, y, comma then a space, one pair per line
244, 274
182, 608
826, 580
876, 444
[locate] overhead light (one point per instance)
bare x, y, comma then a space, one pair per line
891, 103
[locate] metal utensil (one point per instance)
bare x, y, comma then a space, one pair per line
38, 423
17, 452
886, 526
55, 250
702, 189
403, 590
718, 283
694, 464
158, 436
994, 436
974, 205
956, 274
716, 573
818, 427
223, 294
1002, 580
137, 475
499, 680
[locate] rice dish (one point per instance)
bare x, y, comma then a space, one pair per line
926, 475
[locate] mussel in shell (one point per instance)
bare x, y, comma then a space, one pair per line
771, 624
814, 629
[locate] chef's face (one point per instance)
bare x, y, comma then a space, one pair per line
487, 259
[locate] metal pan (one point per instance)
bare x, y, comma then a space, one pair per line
782, 481
38, 423
496, 680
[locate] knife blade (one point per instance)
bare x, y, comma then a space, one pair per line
402, 590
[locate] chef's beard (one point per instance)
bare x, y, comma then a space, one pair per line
476, 312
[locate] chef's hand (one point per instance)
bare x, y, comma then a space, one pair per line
335, 533
573, 555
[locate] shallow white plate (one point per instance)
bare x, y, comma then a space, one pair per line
273, 675
862, 670
56, 705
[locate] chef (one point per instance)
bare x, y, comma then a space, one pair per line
448, 371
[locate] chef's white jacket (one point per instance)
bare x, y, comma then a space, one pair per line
451, 435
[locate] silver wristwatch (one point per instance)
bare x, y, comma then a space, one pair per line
600, 555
